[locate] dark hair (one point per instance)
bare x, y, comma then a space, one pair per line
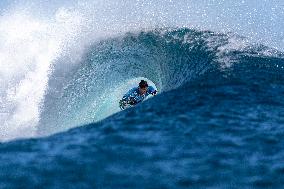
143, 84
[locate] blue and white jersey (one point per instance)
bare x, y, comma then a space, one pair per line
135, 95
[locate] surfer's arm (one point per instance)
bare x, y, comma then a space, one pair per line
130, 94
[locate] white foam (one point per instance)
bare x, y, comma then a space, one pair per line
30, 44
29, 47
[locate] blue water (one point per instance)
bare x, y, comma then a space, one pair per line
218, 121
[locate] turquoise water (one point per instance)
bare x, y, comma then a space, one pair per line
211, 126
217, 121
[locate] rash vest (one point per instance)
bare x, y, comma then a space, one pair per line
136, 96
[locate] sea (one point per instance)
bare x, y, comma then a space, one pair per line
217, 121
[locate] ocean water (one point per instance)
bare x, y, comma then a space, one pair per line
217, 122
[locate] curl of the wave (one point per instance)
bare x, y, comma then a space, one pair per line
170, 58
44, 56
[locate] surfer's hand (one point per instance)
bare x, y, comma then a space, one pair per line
154, 93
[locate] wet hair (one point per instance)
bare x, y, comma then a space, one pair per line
143, 84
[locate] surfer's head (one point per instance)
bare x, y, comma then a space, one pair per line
143, 86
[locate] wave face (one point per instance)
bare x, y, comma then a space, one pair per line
91, 90
168, 58
43, 43
217, 122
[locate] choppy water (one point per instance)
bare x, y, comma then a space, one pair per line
218, 121
213, 127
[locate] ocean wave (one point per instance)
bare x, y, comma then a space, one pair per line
170, 58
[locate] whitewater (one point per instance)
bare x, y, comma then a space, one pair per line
217, 122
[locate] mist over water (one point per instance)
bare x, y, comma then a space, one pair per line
39, 39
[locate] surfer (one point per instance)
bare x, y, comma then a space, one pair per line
137, 94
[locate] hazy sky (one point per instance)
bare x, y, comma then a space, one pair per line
260, 20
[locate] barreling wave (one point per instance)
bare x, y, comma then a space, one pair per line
169, 58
